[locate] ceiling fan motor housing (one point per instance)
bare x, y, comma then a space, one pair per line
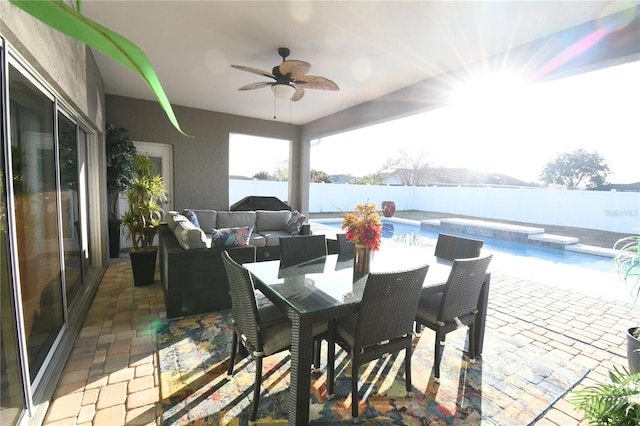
284, 52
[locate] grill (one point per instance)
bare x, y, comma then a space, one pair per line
255, 202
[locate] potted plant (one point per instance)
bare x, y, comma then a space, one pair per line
615, 403
618, 402
145, 194
626, 264
119, 152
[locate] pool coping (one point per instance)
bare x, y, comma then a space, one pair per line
496, 230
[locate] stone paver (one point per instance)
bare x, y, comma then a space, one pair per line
112, 376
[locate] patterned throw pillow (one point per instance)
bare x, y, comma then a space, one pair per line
295, 223
230, 237
191, 215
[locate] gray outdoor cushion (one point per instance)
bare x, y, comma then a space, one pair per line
189, 236
172, 218
207, 219
267, 220
272, 238
235, 219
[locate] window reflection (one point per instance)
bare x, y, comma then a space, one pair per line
11, 389
34, 182
68, 148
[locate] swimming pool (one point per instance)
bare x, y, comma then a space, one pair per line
558, 267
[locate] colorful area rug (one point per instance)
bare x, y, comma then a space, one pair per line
513, 384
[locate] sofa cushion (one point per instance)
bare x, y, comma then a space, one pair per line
192, 216
188, 235
295, 223
230, 237
257, 240
172, 218
207, 219
267, 220
236, 219
272, 238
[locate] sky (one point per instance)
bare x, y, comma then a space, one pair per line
497, 125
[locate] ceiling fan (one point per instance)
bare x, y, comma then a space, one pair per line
290, 78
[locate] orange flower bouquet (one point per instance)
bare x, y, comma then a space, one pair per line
364, 226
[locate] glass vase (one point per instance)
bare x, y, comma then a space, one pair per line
362, 259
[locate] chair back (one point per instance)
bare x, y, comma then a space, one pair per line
302, 247
244, 309
388, 307
345, 246
463, 287
450, 247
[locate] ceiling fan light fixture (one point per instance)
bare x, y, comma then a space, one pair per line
283, 91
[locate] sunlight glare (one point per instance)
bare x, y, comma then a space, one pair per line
489, 91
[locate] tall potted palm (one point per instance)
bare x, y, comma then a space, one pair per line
145, 194
119, 152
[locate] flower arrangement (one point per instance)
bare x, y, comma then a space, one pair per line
364, 226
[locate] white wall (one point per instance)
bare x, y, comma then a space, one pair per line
608, 211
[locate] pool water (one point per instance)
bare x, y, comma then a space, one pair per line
558, 267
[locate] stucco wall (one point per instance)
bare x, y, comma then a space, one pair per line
201, 163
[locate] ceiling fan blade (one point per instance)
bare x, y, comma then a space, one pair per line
254, 70
299, 93
258, 85
297, 69
317, 82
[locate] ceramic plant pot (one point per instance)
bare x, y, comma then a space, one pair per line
143, 264
388, 208
633, 350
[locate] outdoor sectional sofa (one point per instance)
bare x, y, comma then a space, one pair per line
191, 269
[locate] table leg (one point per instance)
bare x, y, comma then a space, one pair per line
301, 358
481, 316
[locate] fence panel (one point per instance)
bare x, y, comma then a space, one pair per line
608, 211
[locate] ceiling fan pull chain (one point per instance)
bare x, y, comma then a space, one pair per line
274, 107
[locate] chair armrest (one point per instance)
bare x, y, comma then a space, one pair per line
305, 230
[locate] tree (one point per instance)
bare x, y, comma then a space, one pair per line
411, 170
119, 154
376, 178
318, 176
281, 172
261, 176
574, 169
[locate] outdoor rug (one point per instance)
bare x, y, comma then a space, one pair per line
512, 384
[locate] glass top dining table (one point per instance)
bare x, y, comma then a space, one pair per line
326, 288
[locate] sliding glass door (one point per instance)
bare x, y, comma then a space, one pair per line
12, 395
36, 210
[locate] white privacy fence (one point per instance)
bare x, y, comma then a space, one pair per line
608, 211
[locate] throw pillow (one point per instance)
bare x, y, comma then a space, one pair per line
230, 237
192, 216
295, 223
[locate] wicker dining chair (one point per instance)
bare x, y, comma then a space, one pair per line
456, 306
382, 325
302, 247
262, 331
451, 247
345, 246
299, 248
